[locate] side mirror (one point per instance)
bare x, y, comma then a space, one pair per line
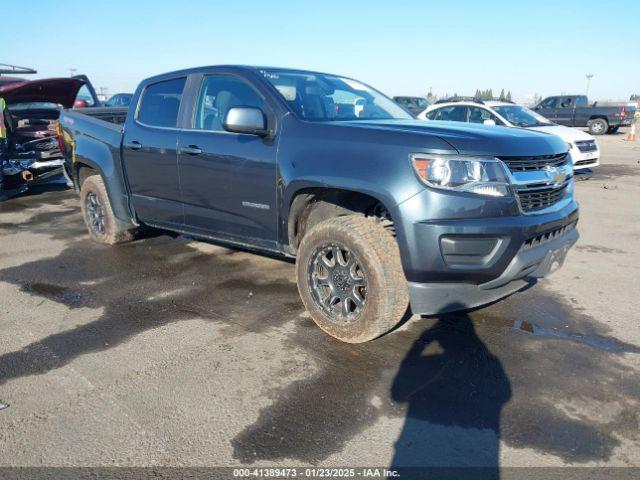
247, 120
488, 121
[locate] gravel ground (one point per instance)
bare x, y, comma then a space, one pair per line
175, 352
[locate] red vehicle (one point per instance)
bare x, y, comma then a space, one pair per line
31, 152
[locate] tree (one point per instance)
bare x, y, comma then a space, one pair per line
508, 96
502, 95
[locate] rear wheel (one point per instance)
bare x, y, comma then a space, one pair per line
598, 126
350, 278
98, 215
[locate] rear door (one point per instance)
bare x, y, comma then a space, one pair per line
228, 179
547, 108
581, 112
150, 156
565, 111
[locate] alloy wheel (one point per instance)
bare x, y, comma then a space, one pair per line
338, 282
95, 214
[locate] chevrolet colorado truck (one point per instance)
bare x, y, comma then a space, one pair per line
575, 111
380, 211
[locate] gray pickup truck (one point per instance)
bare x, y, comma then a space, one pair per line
575, 111
380, 211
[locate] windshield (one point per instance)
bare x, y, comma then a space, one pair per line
521, 116
320, 97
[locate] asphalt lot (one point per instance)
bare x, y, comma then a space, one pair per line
175, 352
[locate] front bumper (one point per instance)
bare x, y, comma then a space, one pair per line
526, 266
585, 160
442, 276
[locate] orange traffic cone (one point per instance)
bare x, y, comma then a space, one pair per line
631, 136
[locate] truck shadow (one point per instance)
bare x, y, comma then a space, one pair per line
454, 389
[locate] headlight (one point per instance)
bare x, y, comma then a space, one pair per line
482, 176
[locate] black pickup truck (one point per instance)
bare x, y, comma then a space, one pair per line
380, 210
575, 111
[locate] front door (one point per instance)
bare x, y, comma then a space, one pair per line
547, 108
228, 179
150, 156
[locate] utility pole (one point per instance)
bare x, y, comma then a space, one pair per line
589, 77
72, 71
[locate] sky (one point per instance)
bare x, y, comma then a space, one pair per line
402, 48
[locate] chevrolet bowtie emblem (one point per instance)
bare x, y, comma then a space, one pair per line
555, 175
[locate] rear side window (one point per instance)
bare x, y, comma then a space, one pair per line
581, 102
566, 102
161, 102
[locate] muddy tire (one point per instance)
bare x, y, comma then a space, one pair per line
350, 278
98, 216
598, 126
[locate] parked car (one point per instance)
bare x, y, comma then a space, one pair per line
413, 105
31, 152
583, 147
119, 100
575, 111
380, 210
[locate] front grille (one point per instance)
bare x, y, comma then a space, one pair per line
546, 237
539, 197
579, 163
586, 145
526, 164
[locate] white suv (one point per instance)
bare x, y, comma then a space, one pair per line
584, 148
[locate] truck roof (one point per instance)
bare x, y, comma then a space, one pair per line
231, 67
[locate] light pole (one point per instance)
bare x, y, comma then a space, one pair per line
589, 77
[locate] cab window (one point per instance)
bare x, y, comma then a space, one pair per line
479, 115
456, 113
549, 102
161, 102
566, 102
217, 95
581, 102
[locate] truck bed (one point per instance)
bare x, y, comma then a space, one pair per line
113, 115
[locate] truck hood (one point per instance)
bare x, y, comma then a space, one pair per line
474, 139
565, 133
62, 91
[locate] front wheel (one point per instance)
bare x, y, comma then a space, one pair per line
598, 126
350, 278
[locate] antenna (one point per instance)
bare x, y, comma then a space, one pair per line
6, 68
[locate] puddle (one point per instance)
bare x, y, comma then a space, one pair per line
598, 249
56, 292
609, 172
603, 343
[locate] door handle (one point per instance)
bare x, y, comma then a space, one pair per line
191, 150
134, 145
